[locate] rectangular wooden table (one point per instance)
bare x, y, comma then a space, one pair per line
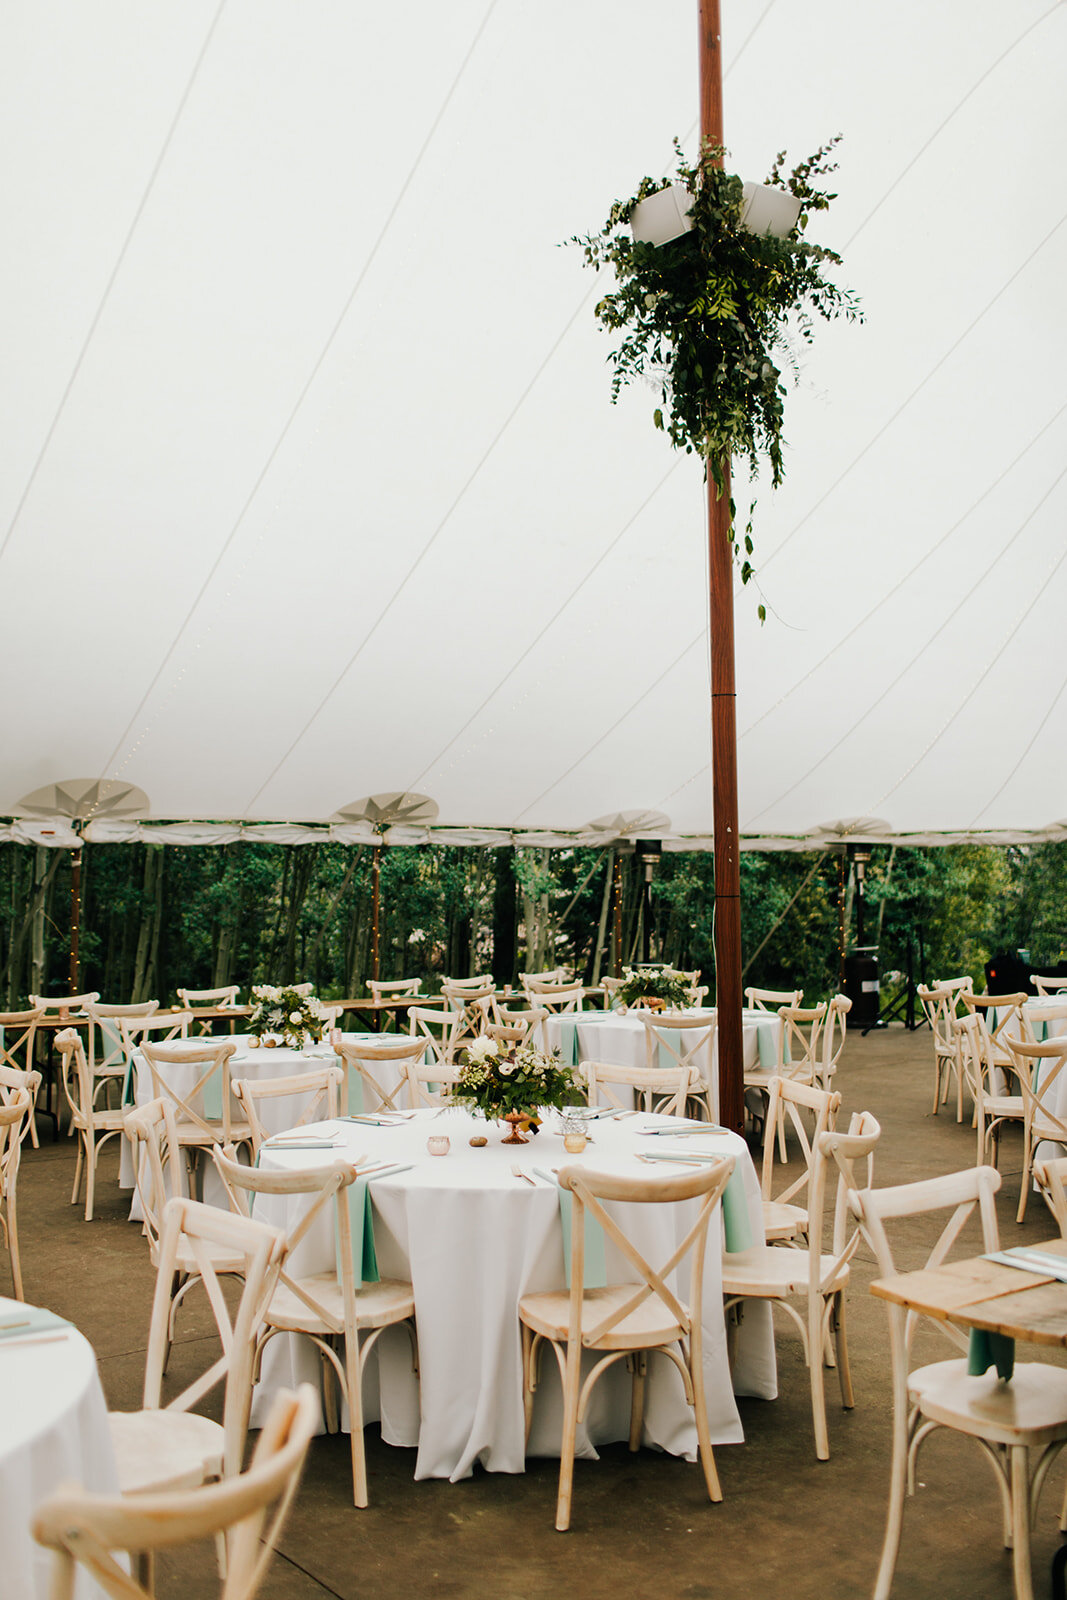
977, 1293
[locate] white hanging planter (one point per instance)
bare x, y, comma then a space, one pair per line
663, 216
769, 210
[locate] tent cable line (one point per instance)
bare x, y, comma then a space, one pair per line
901, 583
1023, 615
1035, 736
939, 130
958, 604
112, 277
310, 380
564, 604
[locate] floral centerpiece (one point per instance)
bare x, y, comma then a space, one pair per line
511, 1082
657, 988
292, 1014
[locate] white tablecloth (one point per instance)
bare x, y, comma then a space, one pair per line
619, 1038
473, 1238
53, 1430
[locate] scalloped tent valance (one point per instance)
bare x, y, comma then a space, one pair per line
311, 487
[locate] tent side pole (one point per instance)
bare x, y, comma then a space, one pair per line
723, 693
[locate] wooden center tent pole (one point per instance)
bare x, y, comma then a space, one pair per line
723, 693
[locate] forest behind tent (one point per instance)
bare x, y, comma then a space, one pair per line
312, 488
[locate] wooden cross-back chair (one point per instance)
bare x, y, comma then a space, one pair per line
169, 1446
686, 1042
817, 1279
14, 1111
833, 1039
941, 1007
1050, 1176
394, 988
471, 1011
223, 998
771, 999
426, 1083
322, 1089
194, 1074
63, 1002
1048, 985
625, 1320
368, 1054
664, 1090
609, 987
559, 998
785, 1216
1039, 1071
433, 1025
1001, 1015
158, 1169
518, 1026
993, 1108
1006, 1419
324, 1306
18, 1032
93, 1127
247, 1512
109, 1050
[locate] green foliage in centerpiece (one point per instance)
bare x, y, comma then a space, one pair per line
494, 1079
657, 983
292, 1013
710, 315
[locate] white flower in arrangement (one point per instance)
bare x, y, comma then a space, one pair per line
296, 1016
506, 1068
483, 1049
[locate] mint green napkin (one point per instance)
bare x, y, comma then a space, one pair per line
596, 1271
987, 1350
737, 1231
22, 1322
361, 1223
568, 1041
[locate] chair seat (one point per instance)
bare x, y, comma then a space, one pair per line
766, 1271
162, 1450
191, 1133
783, 1221
377, 1304
103, 1121
1009, 1106
187, 1261
548, 1314
1030, 1409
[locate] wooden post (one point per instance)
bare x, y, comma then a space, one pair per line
616, 891
723, 694
375, 874
75, 916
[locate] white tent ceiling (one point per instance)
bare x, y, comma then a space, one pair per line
311, 487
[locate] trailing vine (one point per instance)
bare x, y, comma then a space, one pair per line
710, 315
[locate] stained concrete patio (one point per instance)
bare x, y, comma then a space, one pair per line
788, 1524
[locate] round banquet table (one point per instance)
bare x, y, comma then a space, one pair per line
473, 1238
618, 1037
54, 1431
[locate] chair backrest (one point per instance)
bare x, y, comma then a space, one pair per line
833, 1037
394, 989
471, 1010
1001, 1017
328, 1185
18, 1029
424, 1081
844, 1152
798, 1041
204, 1234
107, 1048
671, 1038
1051, 1179
249, 1509
152, 1130
661, 1089
974, 1058
225, 997
940, 1008
550, 975
791, 1099
72, 1062
15, 1107
610, 986
433, 1025
481, 984
957, 1192
771, 999
589, 1190
322, 1089
14, 1084
1039, 1069
1048, 985
368, 1053
161, 1026
195, 1075
555, 997
518, 1027
66, 1002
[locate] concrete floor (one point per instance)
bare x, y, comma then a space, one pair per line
641, 1524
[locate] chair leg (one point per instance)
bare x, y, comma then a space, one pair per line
77, 1173
637, 1397
571, 1385
844, 1370
895, 1515
1024, 1186
1020, 1520
13, 1246
354, 1377
90, 1174
818, 1387
528, 1384
700, 1414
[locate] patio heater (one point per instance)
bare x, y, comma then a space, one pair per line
648, 852
861, 966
